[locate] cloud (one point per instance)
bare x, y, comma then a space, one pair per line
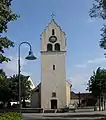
80, 79
81, 66
97, 60
12, 67
26, 73
79, 82
13, 64
92, 61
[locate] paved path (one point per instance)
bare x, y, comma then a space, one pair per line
97, 115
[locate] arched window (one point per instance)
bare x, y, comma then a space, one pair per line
53, 94
57, 47
53, 32
49, 47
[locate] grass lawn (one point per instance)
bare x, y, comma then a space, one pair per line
10, 116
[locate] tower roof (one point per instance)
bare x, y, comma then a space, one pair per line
53, 22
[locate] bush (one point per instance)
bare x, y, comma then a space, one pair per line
10, 116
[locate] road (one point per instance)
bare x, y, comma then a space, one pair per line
65, 116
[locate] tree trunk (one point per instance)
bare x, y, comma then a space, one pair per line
23, 103
95, 107
102, 102
99, 103
4, 104
95, 104
104, 105
8, 104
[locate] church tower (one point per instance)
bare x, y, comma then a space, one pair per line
53, 67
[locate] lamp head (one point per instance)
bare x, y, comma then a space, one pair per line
30, 56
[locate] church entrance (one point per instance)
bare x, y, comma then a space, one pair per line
53, 104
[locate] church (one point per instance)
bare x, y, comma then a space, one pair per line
54, 90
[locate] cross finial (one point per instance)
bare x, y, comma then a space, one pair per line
52, 15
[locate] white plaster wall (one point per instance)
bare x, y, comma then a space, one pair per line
68, 90
53, 80
58, 33
32, 84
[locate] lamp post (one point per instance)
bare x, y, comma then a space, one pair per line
29, 57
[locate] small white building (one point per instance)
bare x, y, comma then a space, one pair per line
53, 91
32, 84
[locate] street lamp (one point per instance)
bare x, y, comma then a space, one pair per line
29, 57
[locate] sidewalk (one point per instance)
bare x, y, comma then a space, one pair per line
96, 115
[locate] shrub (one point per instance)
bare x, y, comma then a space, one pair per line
10, 116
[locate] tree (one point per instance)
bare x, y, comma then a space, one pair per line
9, 88
97, 84
14, 87
2, 74
5, 92
25, 87
94, 85
6, 16
99, 10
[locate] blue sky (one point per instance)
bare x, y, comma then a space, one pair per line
83, 33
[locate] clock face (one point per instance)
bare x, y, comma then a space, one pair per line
53, 39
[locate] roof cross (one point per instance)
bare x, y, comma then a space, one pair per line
52, 15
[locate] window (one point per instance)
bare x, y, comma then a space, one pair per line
57, 47
53, 32
53, 67
49, 47
53, 94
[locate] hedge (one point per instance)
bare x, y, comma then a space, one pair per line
10, 116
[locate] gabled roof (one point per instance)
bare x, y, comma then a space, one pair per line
37, 87
53, 21
74, 95
81, 95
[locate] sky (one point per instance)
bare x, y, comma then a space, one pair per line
82, 33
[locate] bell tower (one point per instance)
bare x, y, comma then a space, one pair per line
53, 67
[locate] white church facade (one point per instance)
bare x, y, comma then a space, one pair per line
54, 90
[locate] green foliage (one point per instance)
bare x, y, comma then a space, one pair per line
9, 87
4, 87
6, 16
25, 86
4, 43
99, 10
103, 37
2, 74
14, 87
10, 116
97, 82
